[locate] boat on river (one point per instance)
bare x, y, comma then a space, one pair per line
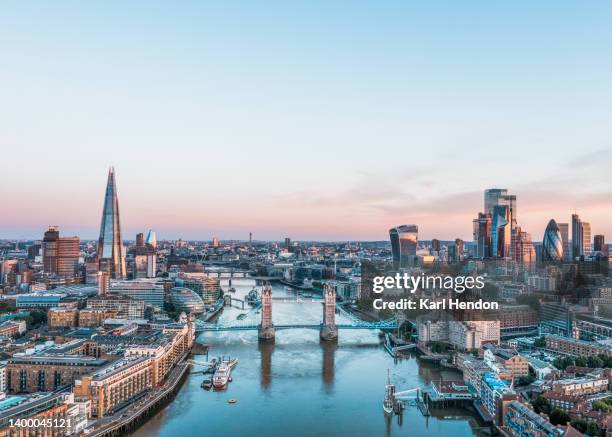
223, 373
389, 401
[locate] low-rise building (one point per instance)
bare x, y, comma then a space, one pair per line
12, 328
575, 347
92, 318
115, 384
46, 372
62, 317
520, 420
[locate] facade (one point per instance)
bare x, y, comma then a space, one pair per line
46, 372
599, 244
581, 386
62, 317
482, 235
574, 347
165, 352
148, 291
552, 243
517, 316
432, 330
586, 239
207, 287
38, 300
520, 420
55, 407
186, 300
501, 231
151, 239
567, 249
491, 391
124, 307
404, 240
111, 256
60, 254
115, 384
10, 328
524, 252
577, 239
91, 318
472, 335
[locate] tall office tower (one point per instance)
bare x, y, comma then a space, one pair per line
459, 249
567, 253
552, 243
60, 254
103, 283
524, 252
111, 258
482, 235
250, 239
586, 239
215, 242
404, 241
600, 244
144, 263
435, 245
287, 243
576, 236
151, 239
501, 235
499, 197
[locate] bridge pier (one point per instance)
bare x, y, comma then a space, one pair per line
329, 331
266, 331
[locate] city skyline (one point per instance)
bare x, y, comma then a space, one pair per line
318, 121
110, 205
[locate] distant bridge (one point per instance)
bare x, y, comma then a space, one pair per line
327, 326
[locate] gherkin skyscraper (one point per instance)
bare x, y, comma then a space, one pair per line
110, 246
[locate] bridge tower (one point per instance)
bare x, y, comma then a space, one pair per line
328, 329
266, 328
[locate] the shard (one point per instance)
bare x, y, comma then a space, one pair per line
110, 246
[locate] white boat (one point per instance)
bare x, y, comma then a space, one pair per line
221, 376
223, 373
389, 401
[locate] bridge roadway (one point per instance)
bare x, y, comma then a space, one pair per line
218, 328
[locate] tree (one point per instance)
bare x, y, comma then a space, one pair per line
593, 429
541, 405
594, 362
526, 380
581, 361
559, 417
6, 307
539, 342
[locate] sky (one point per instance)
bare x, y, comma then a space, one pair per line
325, 120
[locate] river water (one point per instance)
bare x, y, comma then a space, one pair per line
300, 386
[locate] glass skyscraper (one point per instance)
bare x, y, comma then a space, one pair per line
404, 241
552, 244
576, 236
111, 257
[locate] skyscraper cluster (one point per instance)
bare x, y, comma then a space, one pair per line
496, 232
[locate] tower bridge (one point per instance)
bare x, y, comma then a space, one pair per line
266, 329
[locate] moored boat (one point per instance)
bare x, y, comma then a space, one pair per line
221, 376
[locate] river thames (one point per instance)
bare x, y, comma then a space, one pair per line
301, 386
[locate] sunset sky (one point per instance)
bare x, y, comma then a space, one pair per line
330, 120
